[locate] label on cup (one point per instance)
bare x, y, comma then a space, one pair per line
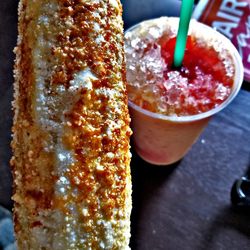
232, 19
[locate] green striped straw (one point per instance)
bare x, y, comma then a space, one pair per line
186, 12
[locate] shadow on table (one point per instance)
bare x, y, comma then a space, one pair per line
227, 219
147, 179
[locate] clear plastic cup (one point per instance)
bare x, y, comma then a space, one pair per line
163, 140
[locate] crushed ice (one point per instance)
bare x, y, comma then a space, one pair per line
167, 92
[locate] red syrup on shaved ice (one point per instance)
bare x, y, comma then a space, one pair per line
203, 82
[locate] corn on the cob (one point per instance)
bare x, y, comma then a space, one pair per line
71, 127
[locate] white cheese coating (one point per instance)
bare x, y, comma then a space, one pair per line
82, 80
114, 3
46, 108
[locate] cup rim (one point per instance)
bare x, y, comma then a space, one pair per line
238, 79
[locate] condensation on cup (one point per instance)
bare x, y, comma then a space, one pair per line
165, 139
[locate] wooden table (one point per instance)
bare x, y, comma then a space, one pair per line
180, 207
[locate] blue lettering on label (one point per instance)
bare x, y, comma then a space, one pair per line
242, 39
232, 7
230, 11
225, 27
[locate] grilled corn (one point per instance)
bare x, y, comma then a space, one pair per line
72, 184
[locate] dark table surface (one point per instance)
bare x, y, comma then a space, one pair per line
184, 206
